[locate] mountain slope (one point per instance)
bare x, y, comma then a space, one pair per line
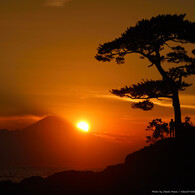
166, 166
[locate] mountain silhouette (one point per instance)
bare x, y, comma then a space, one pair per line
50, 123
167, 166
54, 142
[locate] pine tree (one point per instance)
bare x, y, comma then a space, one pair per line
161, 40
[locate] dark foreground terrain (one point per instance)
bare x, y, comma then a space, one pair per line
167, 165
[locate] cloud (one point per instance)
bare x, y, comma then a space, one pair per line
18, 122
118, 138
56, 3
187, 101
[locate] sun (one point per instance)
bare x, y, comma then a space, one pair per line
83, 126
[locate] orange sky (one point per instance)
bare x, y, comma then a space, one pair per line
48, 66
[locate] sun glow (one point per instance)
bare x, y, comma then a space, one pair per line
83, 126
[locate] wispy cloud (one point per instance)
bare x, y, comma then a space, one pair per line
187, 101
118, 138
18, 122
56, 3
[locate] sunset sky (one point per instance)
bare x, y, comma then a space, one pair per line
48, 66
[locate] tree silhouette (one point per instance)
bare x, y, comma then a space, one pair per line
160, 40
159, 128
187, 122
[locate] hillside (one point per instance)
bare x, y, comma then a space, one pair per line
167, 165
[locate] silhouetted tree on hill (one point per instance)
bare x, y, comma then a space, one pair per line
188, 122
159, 128
160, 40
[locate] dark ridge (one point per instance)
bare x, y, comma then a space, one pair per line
167, 165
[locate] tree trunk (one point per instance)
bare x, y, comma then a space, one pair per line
177, 113
175, 98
